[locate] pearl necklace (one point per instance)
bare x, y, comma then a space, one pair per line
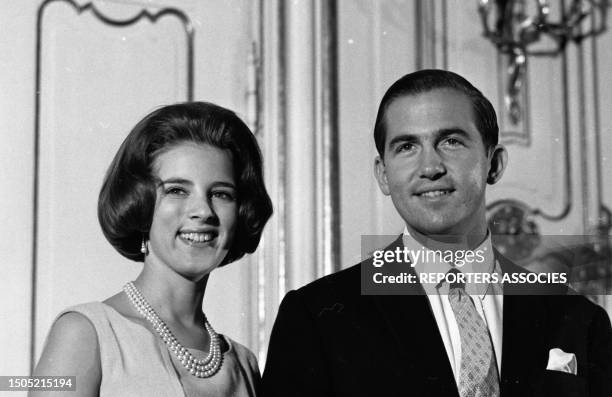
200, 368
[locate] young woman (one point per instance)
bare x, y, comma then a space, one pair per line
184, 194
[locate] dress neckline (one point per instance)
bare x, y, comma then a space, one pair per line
163, 349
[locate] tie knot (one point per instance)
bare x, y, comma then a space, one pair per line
455, 279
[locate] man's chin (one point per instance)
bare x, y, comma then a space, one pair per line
431, 224
444, 232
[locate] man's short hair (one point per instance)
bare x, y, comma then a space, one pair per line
127, 198
428, 80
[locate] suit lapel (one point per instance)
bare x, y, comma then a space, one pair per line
524, 351
409, 320
420, 351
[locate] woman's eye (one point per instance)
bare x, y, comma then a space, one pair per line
175, 191
223, 195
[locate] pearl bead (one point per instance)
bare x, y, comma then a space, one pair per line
201, 368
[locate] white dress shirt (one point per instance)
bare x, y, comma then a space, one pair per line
487, 297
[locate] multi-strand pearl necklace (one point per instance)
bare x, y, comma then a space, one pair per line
200, 368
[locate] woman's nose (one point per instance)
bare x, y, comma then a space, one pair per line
201, 207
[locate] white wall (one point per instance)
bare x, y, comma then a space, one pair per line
17, 22
87, 96
97, 82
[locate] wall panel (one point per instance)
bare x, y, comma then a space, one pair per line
376, 47
97, 81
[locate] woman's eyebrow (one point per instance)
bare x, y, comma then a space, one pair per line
183, 181
178, 181
225, 184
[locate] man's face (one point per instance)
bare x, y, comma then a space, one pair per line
435, 164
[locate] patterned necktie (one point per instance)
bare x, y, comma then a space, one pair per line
478, 373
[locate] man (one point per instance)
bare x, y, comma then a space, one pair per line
436, 137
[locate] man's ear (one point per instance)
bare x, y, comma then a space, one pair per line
381, 175
498, 159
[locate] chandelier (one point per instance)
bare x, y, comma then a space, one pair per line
520, 28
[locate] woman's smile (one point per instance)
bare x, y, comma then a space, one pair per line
198, 238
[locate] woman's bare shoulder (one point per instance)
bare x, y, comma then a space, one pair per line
71, 349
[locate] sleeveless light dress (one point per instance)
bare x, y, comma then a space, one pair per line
135, 362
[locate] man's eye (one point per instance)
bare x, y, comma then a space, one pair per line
404, 147
452, 142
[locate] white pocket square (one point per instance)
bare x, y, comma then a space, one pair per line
558, 360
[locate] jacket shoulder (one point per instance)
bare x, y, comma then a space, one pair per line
345, 282
342, 283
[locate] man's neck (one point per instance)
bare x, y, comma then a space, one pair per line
450, 242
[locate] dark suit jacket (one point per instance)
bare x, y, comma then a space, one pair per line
329, 340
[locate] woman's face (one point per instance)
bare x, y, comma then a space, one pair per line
195, 212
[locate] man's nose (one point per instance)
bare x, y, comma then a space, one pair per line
431, 164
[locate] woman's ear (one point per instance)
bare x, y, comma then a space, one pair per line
498, 158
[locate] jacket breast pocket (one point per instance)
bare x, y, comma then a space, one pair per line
561, 384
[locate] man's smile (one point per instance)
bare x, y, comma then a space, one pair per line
435, 193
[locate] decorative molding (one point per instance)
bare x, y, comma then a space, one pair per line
81, 9
272, 272
513, 230
425, 34
300, 118
513, 129
604, 215
431, 34
327, 151
567, 180
515, 26
444, 38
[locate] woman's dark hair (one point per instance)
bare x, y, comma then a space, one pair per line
127, 198
428, 80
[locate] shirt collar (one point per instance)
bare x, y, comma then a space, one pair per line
438, 265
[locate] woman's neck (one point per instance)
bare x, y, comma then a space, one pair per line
173, 297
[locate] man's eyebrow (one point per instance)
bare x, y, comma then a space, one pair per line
439, 134
444, 132
403, 138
